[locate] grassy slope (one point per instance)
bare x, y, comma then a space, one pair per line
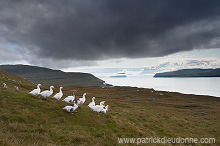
27, 120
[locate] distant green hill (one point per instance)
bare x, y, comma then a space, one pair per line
191, 73
48, 76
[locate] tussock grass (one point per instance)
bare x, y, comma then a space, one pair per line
27, 120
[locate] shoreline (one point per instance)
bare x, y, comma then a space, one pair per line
166, 91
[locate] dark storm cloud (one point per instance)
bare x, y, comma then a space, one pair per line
104, 29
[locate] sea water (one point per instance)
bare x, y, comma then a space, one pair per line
192, 85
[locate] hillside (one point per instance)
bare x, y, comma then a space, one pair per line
47, 76
134, 112
191, 73
13, 80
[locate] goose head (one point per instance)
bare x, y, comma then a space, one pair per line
106, 107
51, 88
102, 102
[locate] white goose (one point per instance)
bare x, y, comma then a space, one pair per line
92, 103
47, 93
16, 88
59, 94
5, 86
71, 108
69, 99
35, 92
80, 101
98, 108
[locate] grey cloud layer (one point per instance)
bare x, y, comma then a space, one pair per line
104, 29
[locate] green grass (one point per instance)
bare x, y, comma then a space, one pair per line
27, 120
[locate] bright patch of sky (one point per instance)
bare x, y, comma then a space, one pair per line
199, 55
209, 53
11, 46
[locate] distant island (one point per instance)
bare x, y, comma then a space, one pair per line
119, 75
191, 73
48, 76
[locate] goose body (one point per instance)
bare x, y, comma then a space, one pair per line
59, 94
96, 108
71, 108
92, 103
69, 99
80, 101
47, 93
35, 92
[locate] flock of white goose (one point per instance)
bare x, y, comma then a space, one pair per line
71, 100
5, 85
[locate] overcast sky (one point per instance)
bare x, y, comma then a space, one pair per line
75, 33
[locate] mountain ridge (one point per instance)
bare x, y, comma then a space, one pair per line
179, 65
48, 76
191, 73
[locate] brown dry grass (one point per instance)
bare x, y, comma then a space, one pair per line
27, 120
